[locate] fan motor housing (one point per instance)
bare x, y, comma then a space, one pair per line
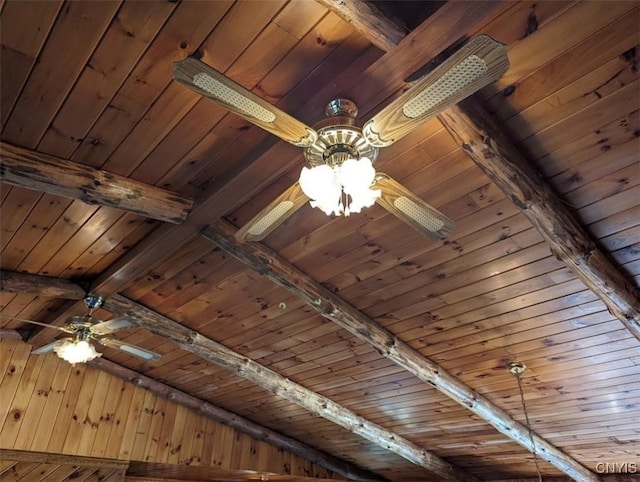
339, 138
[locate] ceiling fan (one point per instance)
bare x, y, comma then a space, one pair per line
341, 178
86, 328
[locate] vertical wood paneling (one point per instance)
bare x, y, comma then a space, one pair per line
20, 401
33, 412
65, 412
83, 411
86, 409
128, 429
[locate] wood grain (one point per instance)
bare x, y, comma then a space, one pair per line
214, 352
33, 170
28, 391
11, 282
232, 420
490, 149
382, 31
332, 307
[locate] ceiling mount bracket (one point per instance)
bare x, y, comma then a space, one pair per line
517, 368
93, 301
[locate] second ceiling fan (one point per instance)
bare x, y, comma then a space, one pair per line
341, 178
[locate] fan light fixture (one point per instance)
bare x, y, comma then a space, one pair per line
76, 351
339, 178
340, 189
341, 175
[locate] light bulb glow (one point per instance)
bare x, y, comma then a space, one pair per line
351, 181
76, 351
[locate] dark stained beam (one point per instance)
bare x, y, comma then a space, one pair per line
479, 136
12, 282
271, 265
34, 170
262, 376
367, 19
377, 82
340, 467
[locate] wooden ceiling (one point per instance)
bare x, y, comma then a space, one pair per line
365, 316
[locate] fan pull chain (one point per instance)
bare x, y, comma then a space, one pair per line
518, 369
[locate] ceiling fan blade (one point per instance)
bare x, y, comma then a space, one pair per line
406, 205
277, 212
214, 85
478, 63
46, 325
113, 325
43, 350
131, 349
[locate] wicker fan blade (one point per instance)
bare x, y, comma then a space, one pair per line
50, 347
406, 205
276, 213
110, 326
46, 325
478, 63
210, 83
131, 349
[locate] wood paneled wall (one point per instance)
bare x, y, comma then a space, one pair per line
49, 406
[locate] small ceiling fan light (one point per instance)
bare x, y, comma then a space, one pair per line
221, 92
453, 81
76, 351
271, 217
419, 214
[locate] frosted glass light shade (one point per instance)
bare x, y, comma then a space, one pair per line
321, 185
326, 186
77, 351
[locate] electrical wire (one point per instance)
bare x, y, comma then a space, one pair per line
526, 417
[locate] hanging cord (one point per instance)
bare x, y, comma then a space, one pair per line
518, 369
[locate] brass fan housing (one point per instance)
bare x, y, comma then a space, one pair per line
339, 138
84, 321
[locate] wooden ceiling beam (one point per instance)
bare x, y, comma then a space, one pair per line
42, 172
241, 424
12, 282
484, 142
478, 135
36, 285
367, 19
379, 81
281, 386
161, 472
61, 459
271, 265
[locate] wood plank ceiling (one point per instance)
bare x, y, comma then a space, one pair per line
90, 83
